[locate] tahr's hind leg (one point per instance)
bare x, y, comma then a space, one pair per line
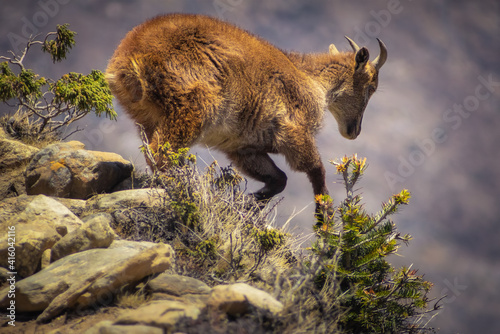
157, 137
179, 125
259, 166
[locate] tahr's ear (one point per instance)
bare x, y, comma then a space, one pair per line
362, 56
333, 49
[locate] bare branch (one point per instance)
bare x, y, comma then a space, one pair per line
71, 133
33, 110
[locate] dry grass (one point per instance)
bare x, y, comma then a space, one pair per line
217, 231
26, 130
132, 298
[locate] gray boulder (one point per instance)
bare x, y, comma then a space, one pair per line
68, 170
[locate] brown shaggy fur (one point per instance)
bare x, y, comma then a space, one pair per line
192, 79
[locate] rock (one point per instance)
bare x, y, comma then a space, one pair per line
77, 206
31, 240
107, 327
127, 198
161, 313
236, 299
136, 181
12, 183
177, 285
14, 155
45, 260
39, 223
68, 170
87, 278
94, 233
132, 245
132, 211
29, 208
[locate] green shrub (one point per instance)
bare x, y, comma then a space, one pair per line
354, 245
41, 106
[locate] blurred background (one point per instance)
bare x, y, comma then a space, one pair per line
432, 127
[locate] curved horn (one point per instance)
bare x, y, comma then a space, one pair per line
354, 46
382, 57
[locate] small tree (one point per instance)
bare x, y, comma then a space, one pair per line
45, 106
352, 247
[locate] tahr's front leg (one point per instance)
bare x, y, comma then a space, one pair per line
303, 156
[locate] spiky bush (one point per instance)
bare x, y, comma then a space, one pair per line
353, 247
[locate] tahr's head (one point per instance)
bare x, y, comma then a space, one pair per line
347, 101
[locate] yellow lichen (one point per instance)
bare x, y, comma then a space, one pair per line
56, 165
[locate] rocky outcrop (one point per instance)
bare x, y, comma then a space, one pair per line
69, 258
90, 277
42, 223
36, 208
68, 170
39, 222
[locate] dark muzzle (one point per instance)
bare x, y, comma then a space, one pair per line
353, 130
